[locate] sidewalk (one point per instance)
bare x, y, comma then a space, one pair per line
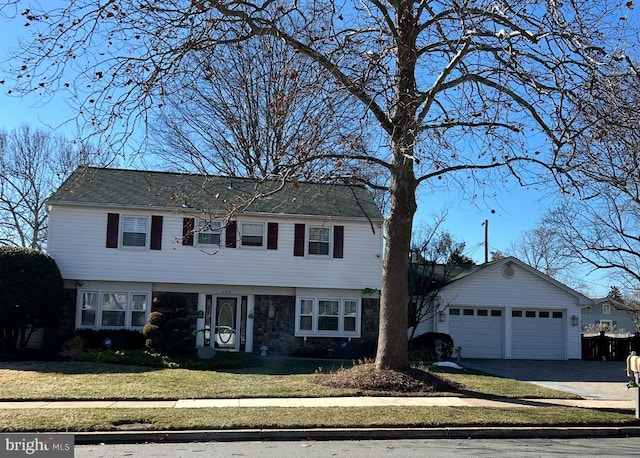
360, 401
319, 434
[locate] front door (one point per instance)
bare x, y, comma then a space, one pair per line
226, 324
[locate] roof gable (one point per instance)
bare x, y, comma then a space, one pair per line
138, 188
501, 264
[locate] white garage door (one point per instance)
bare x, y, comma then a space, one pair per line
478, 331
538, 334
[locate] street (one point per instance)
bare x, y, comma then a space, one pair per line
600, 447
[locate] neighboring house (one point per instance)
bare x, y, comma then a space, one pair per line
506, 309
607, 314
291, 271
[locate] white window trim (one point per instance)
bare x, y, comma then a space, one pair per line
147, 235
340, 332
202, 223
329, 243
606, 309
264, 235
97, 324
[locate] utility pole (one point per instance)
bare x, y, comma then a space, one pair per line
486, 240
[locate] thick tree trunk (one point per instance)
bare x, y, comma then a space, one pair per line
393, 351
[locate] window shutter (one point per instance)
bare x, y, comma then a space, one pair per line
230, 234
113, 223
298, 240
272, 236
338, 241
156, 233
187, 231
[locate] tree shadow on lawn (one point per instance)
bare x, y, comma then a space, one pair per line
294, 366
74, 367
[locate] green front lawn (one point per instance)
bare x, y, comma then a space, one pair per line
273, 377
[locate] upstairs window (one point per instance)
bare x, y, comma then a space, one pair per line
319, 241
134, 231
252, 234
209, 233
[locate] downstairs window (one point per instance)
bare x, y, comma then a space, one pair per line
328, 317
112, 310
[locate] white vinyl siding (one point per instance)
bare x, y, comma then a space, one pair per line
80, 252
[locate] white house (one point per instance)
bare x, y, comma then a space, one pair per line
290, 270
508, 310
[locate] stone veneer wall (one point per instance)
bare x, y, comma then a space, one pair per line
277, 333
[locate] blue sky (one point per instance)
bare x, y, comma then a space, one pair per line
515, 209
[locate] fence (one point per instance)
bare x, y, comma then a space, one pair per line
610, 348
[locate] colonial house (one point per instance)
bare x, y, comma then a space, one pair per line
506, 309
263, 264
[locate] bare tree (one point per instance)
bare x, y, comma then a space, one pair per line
599, 217
33, 163
543, 249
436, 259
254, 112
450, 89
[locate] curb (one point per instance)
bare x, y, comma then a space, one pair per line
336, 434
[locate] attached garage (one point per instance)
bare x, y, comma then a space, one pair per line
508, 310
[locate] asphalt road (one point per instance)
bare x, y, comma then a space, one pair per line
444, 448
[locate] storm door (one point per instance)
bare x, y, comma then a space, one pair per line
226, 325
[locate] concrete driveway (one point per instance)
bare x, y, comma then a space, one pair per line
588, 379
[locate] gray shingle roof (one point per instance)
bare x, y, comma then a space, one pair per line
138, 188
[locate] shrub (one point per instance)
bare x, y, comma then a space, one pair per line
121, 339
31, 297
169, 328
431, 346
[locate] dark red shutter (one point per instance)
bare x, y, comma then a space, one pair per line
338, 241
156, 233
113, 222
272, 236
298, 240
187, 231
230, 234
